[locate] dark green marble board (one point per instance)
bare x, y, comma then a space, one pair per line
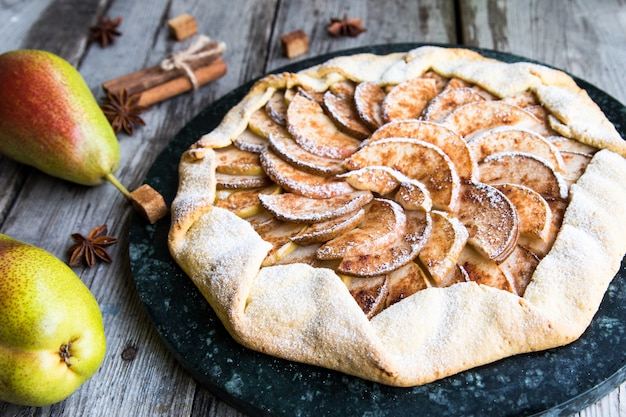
554, 382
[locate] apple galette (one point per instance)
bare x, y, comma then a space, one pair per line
405, 217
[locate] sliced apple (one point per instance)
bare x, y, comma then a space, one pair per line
519, 268
233, 161
455, 276
250, 142
298, 209
384, 223
490, 219
404, 282
482, 270
533, 211
447, 101
413, 195
229, 182
369, 293
324, 231
300, 182
541, 247
408, 99
276, 107
378, 179
523, 99
453, 145
575, 165
343, 89
571, 145
263, 125
391, 257
443, 247
316, 132
343, 111
368, 99
263, 221
294, 154
479, 116
280, 238
299, 254
515, 140
416, 159
246, 203
524, 169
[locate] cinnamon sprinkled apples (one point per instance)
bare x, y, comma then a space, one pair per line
423, 216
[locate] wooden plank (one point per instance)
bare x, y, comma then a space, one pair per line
386, 22
564, 34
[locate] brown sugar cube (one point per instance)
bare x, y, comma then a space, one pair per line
149, 203
183, 26
295, 43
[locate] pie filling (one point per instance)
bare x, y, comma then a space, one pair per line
426, 183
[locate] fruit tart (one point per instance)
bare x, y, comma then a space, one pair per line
405, 217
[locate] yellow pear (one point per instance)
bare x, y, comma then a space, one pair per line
51, 332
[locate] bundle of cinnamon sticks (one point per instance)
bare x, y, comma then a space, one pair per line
155, 84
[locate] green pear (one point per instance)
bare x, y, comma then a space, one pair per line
51, 331
49, 119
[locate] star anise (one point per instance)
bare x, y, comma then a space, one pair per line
346, 26
122, 111
105, 31
91, 248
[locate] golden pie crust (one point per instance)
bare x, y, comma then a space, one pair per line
306, 314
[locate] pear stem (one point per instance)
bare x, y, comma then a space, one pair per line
111, 178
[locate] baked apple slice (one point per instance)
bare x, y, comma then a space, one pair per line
287, 148
344, 113
233, 161
370, 293
368, 99
238, 182
324, 231
408, 99
416, 159
384, 223
533, 211
479, 116
399, 253
490, 219
449, 100
280, 238
524, 169
245, 203
515, 140
298, 209
413, 195
404, 282
300, 182
276, 107
263, 125
575, 164
443, 247
378, 179
312, 129
250, 142
482, 270
519, 268
445, 139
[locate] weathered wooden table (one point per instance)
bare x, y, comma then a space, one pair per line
584, 38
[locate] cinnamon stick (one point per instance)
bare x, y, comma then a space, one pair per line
182, 84
154, 84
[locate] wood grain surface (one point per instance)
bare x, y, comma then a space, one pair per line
584, 38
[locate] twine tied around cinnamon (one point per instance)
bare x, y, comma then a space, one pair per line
181, 59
